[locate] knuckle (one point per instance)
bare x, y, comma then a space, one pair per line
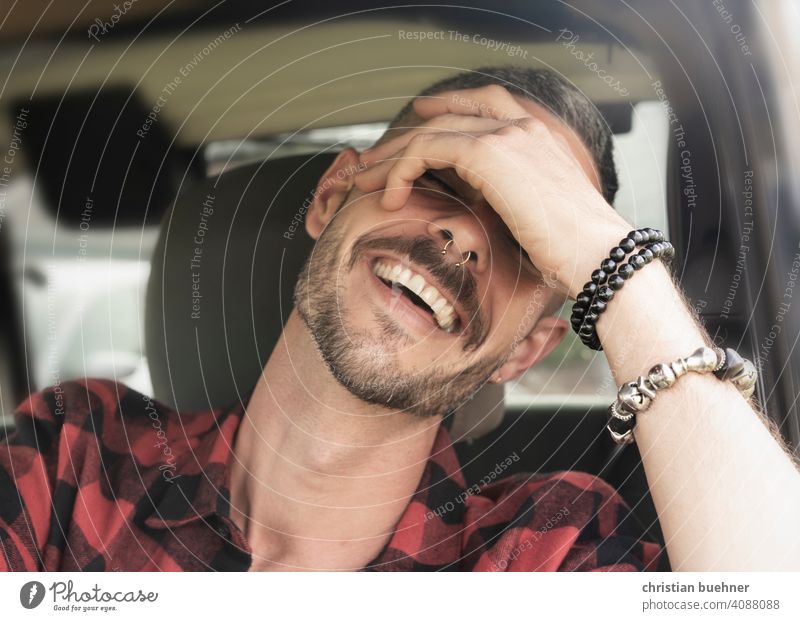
392, 179
514, 130
492, 140
419, 140
445, 121
528, 125
496, 90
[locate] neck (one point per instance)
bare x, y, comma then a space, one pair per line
320, 478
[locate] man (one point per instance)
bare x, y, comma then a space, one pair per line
490, 191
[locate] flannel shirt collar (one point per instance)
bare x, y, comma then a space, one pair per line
201, 486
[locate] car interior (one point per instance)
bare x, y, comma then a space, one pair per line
207, 126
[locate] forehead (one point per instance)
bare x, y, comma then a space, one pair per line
576, 145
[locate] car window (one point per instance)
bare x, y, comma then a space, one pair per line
81, 289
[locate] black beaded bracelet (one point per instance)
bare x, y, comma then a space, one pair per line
611, 276
592, 301
605, 293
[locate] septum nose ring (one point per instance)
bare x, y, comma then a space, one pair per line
465, 259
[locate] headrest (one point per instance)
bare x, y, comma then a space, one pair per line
221, 282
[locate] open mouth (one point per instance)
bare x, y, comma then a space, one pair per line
418, 290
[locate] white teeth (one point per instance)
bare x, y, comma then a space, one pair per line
430, 295
438, 305
443, 312
417, 284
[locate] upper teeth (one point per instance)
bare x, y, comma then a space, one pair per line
443, 312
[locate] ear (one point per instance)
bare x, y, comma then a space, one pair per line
548, 332
331, 191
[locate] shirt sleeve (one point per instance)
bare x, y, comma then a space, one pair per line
565, 521
34, 459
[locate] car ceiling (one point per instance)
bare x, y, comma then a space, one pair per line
272, 74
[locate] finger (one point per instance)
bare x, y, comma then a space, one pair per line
446, 122
492, 102
428, 152
373, 178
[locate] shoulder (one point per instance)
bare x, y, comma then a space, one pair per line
103, 418
539, 502
41, 461
93, 444
566, 520
42, 416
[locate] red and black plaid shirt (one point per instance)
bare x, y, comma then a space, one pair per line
97, 476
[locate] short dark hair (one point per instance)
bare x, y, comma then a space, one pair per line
550, 91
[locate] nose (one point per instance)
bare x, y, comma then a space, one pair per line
464, 239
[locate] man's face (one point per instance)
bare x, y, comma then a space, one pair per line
415, 309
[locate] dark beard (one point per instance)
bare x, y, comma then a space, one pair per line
366, 364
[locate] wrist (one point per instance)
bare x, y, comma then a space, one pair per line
648, 320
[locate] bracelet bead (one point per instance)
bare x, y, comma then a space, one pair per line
586, 331
636, 261
617, 254
647, 254
616, 281
661, 376
625, 271
621, 430
598, 306
599, 277
637, 237
605, 293
733, 364
608, 266
591, 317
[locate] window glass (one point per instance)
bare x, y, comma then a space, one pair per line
81, 292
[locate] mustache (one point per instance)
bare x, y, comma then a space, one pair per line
458, 282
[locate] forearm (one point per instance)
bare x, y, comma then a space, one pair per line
726, 491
